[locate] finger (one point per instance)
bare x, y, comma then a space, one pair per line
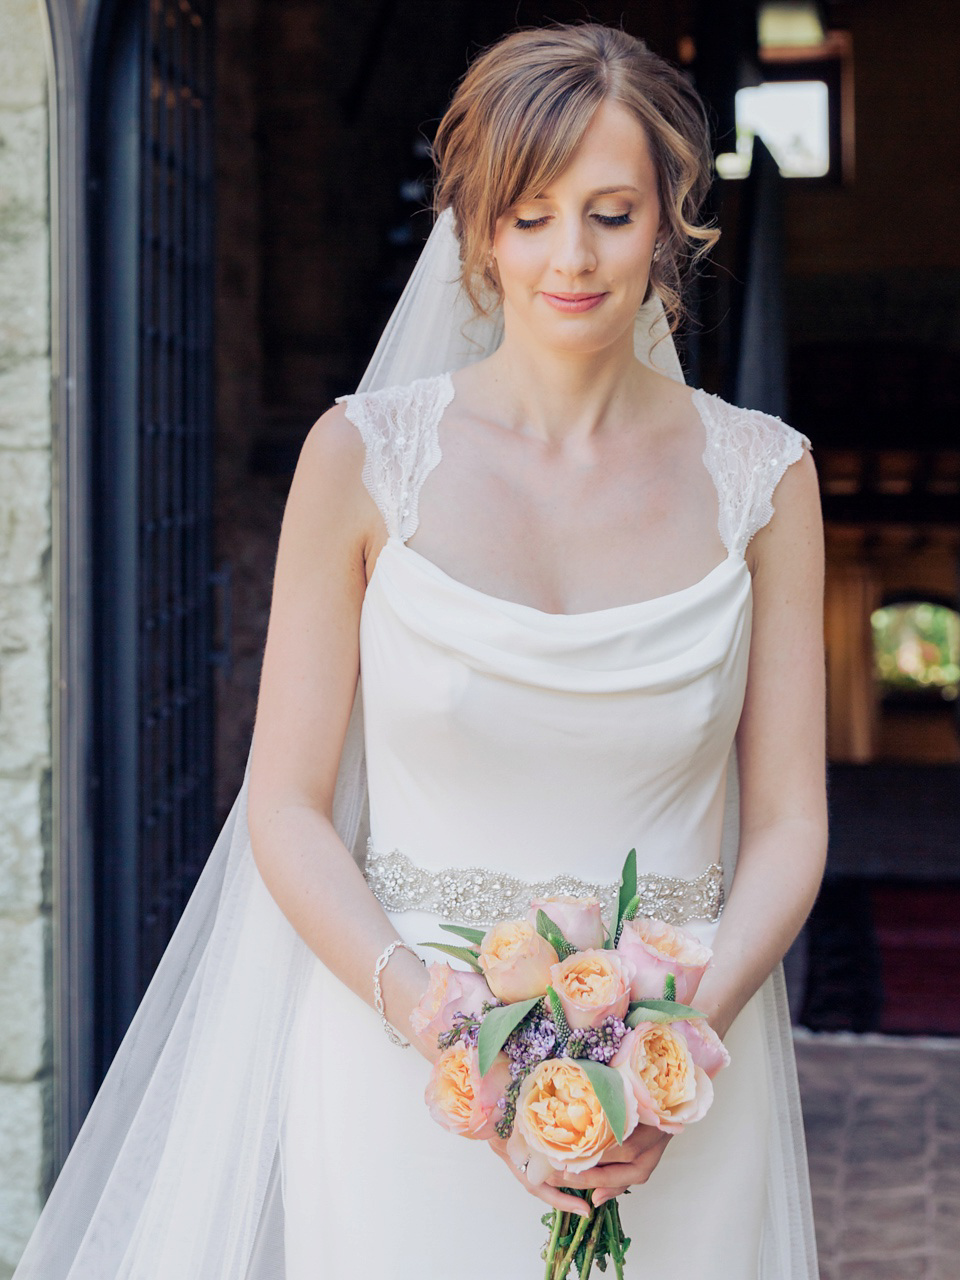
610, 1193
557, 1200
546, 1192
615, 1175
641, 1140
598, 1176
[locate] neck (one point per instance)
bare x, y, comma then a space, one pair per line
560, 396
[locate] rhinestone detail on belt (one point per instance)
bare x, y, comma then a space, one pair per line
479, 895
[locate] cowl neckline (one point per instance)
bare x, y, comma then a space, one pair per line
659, 643
532, 614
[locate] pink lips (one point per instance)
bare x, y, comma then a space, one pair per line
574, 302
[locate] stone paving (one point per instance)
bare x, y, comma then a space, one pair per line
882, 1116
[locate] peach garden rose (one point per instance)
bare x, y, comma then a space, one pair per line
559, 1121
593, 985
669, 1088
516, 961
462, 1100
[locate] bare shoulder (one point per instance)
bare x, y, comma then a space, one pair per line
333, 447
792, 540
327, 497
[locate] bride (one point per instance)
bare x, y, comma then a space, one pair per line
585, 602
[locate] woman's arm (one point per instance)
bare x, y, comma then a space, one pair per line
783, 809
781, 752
310, 669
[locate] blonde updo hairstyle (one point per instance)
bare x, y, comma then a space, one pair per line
519, 114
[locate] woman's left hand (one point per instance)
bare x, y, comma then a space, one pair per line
624, 1166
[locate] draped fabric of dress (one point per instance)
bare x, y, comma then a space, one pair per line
508, 748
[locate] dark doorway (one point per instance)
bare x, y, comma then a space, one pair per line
151, 251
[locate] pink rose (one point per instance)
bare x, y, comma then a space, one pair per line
450, 991
578, 919
460, 1098
516, 961
593, 985
670, 1090
657, 949
706, 1047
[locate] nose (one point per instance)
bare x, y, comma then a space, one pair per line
574, 253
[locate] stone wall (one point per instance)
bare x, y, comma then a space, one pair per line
25, 648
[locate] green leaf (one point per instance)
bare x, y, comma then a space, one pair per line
472, 935
660, 1011
608, 1086
628, 884
670, 988
552, 934
458, 953
497, 1025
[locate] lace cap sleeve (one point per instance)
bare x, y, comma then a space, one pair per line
399, 429
746, 453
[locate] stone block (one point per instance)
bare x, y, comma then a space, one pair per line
24, 617
25, 403
23, 1047
24, 283
24, 710
875, 1267
25, 484
884, 1224
24, 162
21, 1165
21, 846
23, 62
891, 1175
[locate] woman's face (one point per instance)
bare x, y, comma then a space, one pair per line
574, 262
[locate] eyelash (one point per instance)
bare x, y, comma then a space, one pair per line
619, 220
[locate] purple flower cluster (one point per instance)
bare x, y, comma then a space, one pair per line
600, 1043
465, 1027
526, 1047
532, 1041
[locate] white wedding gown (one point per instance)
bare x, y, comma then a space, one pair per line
510, 751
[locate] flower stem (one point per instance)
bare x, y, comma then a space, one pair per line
613, 1236
567, 1260
552, 1246
597, 1222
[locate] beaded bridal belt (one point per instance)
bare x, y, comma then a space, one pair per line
479, 896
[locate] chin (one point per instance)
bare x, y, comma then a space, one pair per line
581, 339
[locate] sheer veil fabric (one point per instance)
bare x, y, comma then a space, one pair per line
176, 1170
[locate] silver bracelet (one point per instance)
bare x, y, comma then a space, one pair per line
378, 994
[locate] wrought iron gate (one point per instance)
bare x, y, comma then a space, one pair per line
152, 208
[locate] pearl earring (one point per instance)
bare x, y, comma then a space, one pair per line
657, 250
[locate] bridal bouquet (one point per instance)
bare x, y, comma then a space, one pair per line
562, 1037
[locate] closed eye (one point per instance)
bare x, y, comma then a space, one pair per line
611, 220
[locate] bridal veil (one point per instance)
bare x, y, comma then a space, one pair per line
176, 1170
